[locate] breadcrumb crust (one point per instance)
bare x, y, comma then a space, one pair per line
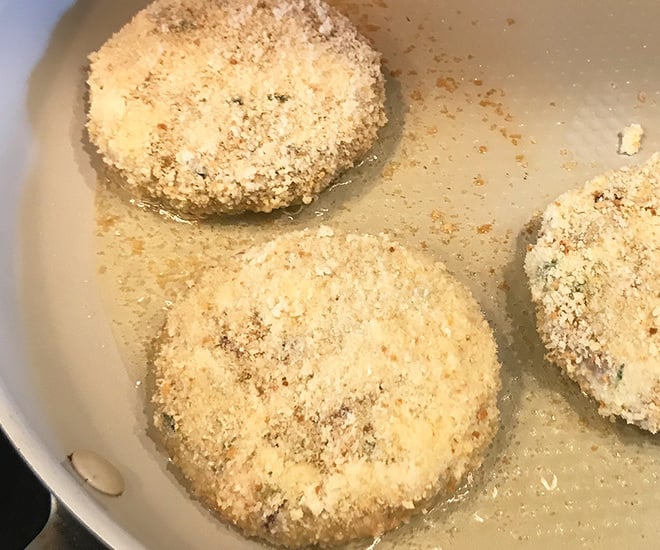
324, 386
235, 105
594, 274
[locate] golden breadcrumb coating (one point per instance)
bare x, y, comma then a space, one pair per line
211, 107
595, 279
324, 386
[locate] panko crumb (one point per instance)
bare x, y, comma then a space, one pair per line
322, 387
242, 105
630, 139
594, 274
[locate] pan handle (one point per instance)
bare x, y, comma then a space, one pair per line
64, 531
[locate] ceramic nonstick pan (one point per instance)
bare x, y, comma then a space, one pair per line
495, 109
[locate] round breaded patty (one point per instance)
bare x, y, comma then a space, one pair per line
233, 105
323, 386
594, 274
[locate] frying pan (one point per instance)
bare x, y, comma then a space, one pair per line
495, 109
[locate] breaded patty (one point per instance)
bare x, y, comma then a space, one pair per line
595, 279
322, 387
226, 106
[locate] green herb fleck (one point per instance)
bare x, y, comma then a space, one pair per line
270, 519
184, 25
546, 267
168, 422
619, 373
578, 287
369, 446
279, 97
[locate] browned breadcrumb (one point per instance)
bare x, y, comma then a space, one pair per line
220, 107
324, 386
478, 180
595, 278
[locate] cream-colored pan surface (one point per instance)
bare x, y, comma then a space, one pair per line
495, 108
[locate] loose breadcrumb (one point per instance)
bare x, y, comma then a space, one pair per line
595, 278
324, 386
630, 139
221, 107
